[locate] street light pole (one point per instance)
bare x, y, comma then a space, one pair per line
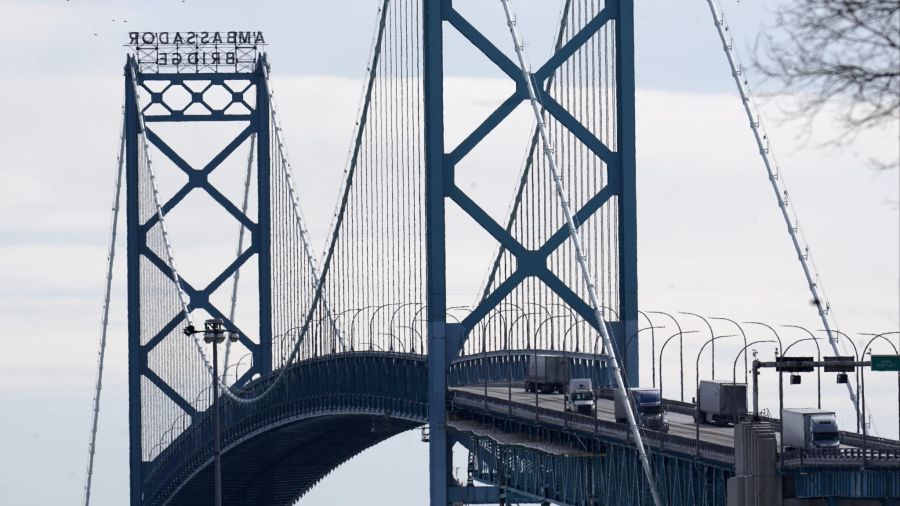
544, 321
512, 327
596, 410
652, 347
662, 349
680, 348
216, 422
855, 373
628, 346
697, 398
214, 333
779, 352
734, 374
743, 334
712, 340
815, 340
897, 352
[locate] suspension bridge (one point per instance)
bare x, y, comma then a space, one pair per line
346, 348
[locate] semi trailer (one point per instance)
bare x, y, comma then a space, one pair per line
721, 402
547, 373
808, 428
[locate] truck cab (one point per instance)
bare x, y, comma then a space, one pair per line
580, 396
824, 431
649, 412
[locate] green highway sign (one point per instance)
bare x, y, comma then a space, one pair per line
886, 362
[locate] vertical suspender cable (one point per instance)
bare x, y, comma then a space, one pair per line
788, 212
295, 203
240, 247
576, 243
319, 285
513, 220
104, 326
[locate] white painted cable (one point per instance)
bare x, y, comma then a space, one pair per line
574, 232
788, 212
170, 261
104, 325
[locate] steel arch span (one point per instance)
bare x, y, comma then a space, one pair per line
319, 415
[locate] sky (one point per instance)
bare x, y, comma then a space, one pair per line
710, 236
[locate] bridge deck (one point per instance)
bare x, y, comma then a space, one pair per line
718, 440
680, 424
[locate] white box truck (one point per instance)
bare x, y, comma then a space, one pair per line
722, 402
547, 373
808, 428
649, 409
580, 396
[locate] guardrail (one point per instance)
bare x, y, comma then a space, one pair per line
875, 443
840, 457
847, 438
591, 427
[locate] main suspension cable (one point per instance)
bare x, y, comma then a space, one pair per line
295, 204
575, 236
788, 212
176, 278
104, 326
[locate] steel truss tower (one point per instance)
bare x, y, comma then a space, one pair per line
445, 340
246, 102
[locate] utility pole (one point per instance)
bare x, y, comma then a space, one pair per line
214, 333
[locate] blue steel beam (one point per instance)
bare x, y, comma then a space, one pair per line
262, 357
485, 495
440, 185
132, 201
620, 166
258, 122
439, 455
628, 277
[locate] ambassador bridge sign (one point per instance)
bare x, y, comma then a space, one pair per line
182, 52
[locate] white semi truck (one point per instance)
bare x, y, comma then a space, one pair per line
809, 428
580, 396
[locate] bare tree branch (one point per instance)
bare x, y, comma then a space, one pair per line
843, 53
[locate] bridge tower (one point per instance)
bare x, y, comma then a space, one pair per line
617, 152
165, 369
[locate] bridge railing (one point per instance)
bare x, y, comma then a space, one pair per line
589, 426
388, 384
847, 438
511, 366
840, 457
